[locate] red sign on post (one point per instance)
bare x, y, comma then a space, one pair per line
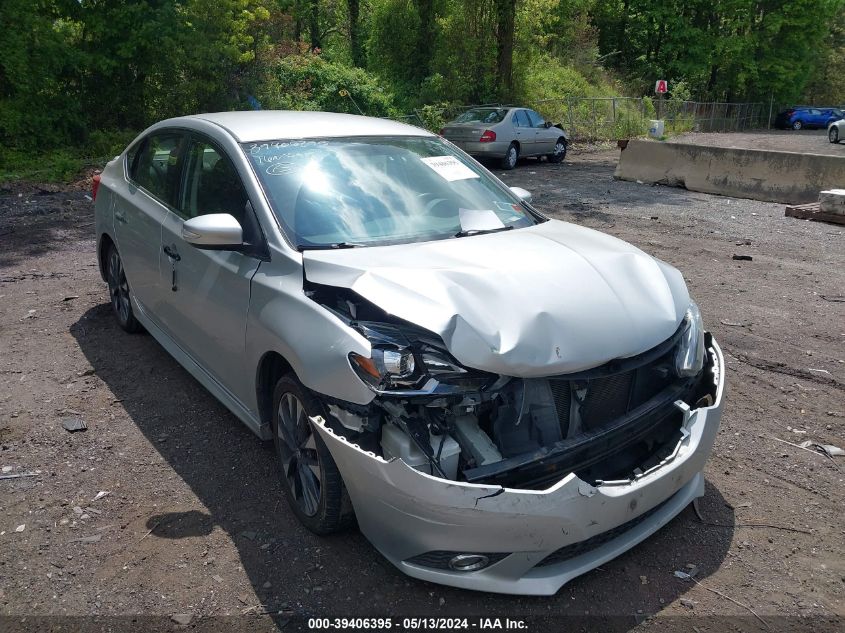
661, 87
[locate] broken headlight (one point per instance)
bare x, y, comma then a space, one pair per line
407, 360
689, 355
393, 367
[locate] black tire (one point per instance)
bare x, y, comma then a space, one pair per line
511, 157
797, 125
120, 297
833, 134
560, 151
312, 483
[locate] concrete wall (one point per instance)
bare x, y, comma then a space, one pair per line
742, 173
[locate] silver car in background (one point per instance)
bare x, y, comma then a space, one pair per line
503, 401
836, 131
506, 134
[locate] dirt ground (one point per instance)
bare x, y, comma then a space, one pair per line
803, 141
168, 506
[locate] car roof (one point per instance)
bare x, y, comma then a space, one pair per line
268, 125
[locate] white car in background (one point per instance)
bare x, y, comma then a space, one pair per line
836, 131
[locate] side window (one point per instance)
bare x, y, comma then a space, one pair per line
521, 119
157, 166
212, 185
536, 119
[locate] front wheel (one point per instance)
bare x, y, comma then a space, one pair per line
797, 125
511, 157
559, 152
119, 295
833, 134
310, 478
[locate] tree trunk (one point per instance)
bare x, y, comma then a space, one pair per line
505, 19
354, 32
314, 23
425, 37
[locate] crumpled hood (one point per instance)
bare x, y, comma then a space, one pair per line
549, 299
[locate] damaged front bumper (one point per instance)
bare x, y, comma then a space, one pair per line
533, 541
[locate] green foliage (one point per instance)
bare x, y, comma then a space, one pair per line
309, 82
432, 116
56, 165
826, 84
723, 50
391, 57
72, 71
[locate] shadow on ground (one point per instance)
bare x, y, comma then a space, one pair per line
33, 223
233, 475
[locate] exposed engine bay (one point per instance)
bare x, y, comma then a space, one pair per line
610, 423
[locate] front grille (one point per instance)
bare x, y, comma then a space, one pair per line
562, 396
606, 399
611, 419
582, 547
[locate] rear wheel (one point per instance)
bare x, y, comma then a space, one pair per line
511, 157
797, 125
833, 134
119, 294
312, 482
559, 152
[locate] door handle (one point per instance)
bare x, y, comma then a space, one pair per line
171, 252
120, 217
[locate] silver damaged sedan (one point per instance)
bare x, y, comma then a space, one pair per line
507, 134
503, 401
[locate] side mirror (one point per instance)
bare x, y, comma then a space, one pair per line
522, 194
219, 231
548, 124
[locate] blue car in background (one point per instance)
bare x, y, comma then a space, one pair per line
801, 117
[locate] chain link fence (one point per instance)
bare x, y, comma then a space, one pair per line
614, 118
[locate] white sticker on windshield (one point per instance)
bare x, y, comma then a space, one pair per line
479, 220
449, 168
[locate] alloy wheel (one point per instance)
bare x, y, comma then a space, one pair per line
512, 156
118, 287
298, 452
833, 135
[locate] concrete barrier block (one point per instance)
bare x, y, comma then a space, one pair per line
786, 177
832, 201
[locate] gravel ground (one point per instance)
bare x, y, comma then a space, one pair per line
194, 524
803, 141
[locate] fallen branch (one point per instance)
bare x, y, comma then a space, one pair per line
150, 531
19, 475
803, 448
727, 597
757, 525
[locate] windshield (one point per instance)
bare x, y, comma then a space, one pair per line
344, 192
482, 115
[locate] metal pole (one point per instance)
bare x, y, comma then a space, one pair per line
771, 106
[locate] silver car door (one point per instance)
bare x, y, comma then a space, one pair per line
208, 290
511, 127
141, 206
526, 135
544, 142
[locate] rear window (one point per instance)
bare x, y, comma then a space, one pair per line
482, 115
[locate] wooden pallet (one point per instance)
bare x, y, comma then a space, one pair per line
812, 212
